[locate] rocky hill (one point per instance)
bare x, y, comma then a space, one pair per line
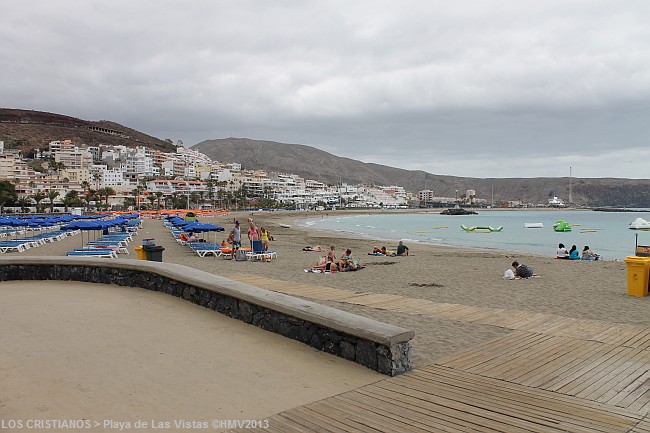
316, 164
27, 130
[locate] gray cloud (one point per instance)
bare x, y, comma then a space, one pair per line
485, 89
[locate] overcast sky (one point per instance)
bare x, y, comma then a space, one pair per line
482, 88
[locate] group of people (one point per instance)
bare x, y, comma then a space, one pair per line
254, 234
402, 250
330, 263
575, 254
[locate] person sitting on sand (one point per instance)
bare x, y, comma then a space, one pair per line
587, 254
522, 271
574, 254
327, 263
562, 252
402, 250
346, 263
375, 251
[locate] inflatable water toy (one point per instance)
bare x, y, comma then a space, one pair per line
562, 226
439, 227
533, 225
639, 224
481, 228
588, 230
285, 226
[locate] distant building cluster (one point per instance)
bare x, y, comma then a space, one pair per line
140, 177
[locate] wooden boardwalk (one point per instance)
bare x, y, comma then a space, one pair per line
552, 373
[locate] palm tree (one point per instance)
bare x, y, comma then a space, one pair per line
24, 203
71, 199
105, 192
89, 196
52, 194
158, 197
38, 197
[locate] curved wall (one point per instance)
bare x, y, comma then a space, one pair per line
376, 345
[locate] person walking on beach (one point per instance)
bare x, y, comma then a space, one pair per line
235, 236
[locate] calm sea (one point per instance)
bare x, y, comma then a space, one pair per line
606, 233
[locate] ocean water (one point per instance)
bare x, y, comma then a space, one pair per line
606, 233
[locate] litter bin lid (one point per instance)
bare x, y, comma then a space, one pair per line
139, 248
637, 260
153, 248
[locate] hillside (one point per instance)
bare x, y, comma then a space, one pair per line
316, 164
26, 130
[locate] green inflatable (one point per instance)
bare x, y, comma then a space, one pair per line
561, 226
481, 228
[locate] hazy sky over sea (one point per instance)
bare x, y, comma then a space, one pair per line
492, 88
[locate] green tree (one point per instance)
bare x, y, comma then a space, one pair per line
158, 197
24, 203
72, 199
38, 197
51, 195
7, 194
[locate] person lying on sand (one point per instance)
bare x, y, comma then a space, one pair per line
316, 248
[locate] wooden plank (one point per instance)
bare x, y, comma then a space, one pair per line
633, 391
498, 407
629, 375
433, 419
620, 363
579, 368
436, 414
543, 400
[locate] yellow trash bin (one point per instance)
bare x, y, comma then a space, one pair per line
638, 269
142, 255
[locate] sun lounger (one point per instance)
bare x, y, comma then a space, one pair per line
228, 253
13, 246
259, 253
203, 249
93, 252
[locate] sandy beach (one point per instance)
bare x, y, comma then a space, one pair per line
595, 290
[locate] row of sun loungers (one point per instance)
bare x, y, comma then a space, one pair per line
24, 243
107, 246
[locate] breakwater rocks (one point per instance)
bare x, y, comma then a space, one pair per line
458, 211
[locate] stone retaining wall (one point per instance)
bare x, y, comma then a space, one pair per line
376, 345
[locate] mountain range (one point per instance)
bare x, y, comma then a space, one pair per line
312, 163
28, 129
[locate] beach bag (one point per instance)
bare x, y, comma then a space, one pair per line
240, 256
508, 275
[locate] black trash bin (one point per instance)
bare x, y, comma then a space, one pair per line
153, 252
